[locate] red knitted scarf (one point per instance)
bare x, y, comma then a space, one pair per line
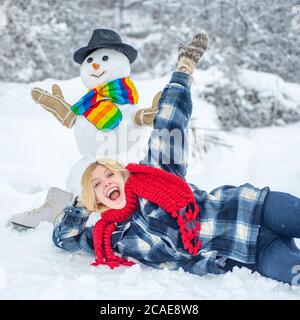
168, 191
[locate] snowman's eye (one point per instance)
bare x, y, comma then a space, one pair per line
105, 58
89, 60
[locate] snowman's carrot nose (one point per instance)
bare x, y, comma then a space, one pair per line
96, 66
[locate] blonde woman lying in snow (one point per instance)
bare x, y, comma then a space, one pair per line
151, 215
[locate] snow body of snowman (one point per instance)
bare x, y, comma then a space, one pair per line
125, 143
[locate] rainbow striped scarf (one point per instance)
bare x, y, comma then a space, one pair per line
99, 104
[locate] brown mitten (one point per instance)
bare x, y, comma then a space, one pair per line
55, 104
190, 55
144, 117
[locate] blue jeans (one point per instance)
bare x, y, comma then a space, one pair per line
277, 254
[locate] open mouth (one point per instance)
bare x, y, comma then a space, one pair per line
100, 75
113, 193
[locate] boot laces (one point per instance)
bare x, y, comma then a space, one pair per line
39, 209
46, 204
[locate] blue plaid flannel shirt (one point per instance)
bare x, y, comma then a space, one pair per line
229, 215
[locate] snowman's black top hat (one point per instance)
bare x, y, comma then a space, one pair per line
105, 38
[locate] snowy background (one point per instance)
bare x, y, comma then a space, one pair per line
245, 128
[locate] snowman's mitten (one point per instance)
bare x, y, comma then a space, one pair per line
145, 117
55, 104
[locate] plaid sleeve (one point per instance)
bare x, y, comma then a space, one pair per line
70, 232
168, 144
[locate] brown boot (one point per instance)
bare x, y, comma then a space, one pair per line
144, 117
55, 104
190, 55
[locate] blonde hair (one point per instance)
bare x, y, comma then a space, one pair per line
88, 197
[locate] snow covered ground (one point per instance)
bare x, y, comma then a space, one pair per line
36, 153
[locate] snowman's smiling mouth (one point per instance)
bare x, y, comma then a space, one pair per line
100, 75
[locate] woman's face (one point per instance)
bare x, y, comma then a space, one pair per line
109, 187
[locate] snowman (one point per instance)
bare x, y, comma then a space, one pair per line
107, 122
